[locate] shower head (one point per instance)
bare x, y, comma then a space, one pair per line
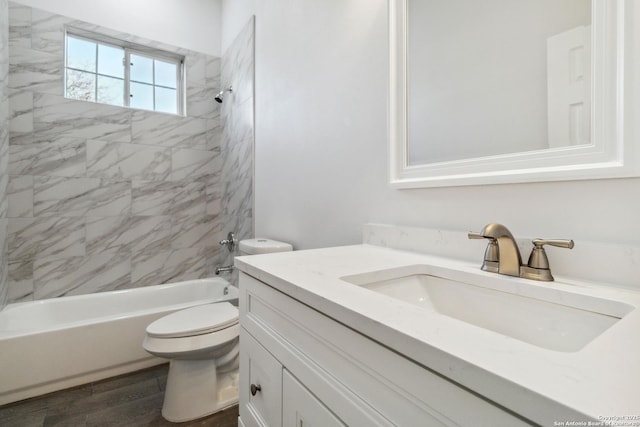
220, 96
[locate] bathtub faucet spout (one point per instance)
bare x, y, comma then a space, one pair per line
225, 269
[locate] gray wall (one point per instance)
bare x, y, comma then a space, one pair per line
4, 146
103, 197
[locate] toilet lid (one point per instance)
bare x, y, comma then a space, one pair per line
202, 319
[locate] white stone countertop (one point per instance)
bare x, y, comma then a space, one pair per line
600, 382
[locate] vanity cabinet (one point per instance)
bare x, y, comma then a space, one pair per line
307, 369
273, 396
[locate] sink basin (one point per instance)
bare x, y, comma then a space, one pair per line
547, 317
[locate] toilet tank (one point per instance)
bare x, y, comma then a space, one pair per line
262, 246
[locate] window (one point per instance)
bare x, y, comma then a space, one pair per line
100, 69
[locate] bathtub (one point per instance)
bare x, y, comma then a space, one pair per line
52, 344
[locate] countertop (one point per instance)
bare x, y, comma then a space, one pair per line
600, 382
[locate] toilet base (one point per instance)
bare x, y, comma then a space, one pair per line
194, 390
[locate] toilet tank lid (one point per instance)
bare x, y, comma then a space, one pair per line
263, 246
198, 320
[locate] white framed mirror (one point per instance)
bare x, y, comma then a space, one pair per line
482, 92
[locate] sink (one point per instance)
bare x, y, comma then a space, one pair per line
544, 316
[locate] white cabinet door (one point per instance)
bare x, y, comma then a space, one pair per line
260, 384
300, 408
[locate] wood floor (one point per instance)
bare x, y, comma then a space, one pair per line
130, 400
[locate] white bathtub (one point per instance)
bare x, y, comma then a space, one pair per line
56, 343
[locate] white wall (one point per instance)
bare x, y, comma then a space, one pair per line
321, 144
192, 24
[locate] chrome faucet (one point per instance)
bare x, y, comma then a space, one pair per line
503, 256
229, 242
225, 269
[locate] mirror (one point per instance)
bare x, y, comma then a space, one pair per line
496, 77
497, 91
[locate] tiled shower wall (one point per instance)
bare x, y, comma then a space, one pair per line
237, 137
4, 146
103, 197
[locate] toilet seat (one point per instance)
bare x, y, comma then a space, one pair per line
193, 333
199, 320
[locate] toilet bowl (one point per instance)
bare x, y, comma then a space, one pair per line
202, 345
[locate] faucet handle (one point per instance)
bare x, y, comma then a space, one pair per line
491, 254
538, 257
538, 265
229, 242
561, 243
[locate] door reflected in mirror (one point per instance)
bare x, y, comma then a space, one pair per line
496, 77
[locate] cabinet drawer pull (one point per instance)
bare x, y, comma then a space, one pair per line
255, 389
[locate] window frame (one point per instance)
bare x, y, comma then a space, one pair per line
129, 49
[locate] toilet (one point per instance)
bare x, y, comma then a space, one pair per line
202, 345
262, 246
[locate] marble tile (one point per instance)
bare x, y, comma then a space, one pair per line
55, 116
4, 150
4, 121
214, 259
130, 234
212, 71
21, 111
95, 187
168, 198
241, 226
168, 131
4, 236
62, 157
213, 199
237, 138
201, 102
36, 71
19, 25
47, 31
127, 161
238, 64
16, 138
195, 231
69, 197
106, 271
4, 290
4, 195
187, 164
4, 267
131, 38
167, 266
241, 126
20, 193
20, 281
214, 134
47, 236
196, 68
237, 198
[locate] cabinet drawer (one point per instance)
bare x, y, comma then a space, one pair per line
300, 408
260, 384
